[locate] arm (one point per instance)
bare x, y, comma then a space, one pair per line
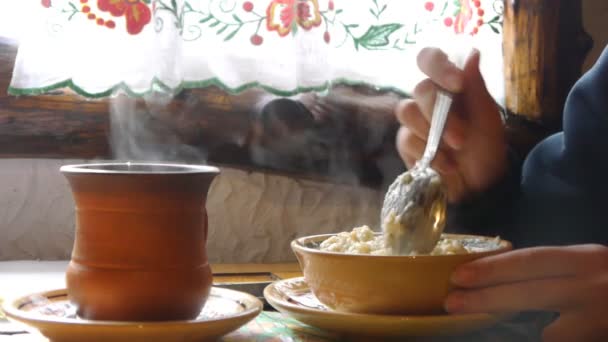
561, 203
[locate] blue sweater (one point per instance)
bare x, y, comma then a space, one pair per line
558, 196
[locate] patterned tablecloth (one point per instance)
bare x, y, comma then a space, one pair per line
276, 327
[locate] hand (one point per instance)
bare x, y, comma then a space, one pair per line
473, 154
570, 280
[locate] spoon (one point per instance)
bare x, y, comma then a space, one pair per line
414, 210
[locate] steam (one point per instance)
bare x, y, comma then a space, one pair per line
346, 134
148, 131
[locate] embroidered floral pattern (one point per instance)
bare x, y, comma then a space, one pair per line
136, 13
336, 41
469, 16
284, 16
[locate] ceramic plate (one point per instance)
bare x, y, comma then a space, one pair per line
53, 316
293, 297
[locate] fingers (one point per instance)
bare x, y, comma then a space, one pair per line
410, 114
546, 294
472, 73
476, 95
435, 63
425, 93
527, 264
411, 147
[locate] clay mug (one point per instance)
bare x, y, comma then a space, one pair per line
139, 251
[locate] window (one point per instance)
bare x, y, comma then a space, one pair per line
346, 135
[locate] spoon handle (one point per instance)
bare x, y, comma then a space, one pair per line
440, 115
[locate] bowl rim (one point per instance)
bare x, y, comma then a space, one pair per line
178, 168
297, 244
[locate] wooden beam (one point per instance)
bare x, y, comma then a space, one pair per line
544, 49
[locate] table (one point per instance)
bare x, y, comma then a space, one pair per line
24, 277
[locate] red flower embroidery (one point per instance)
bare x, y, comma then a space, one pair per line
136, 12
464, 16
283, 15
46, 3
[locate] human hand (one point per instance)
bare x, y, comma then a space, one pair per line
570, 280
473, 153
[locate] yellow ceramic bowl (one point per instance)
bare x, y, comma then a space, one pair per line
406, 285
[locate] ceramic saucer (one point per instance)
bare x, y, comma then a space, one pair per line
294, 298
51, 314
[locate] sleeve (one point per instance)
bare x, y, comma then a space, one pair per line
557, 195
486, 212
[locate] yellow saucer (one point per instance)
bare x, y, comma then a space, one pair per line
53, 316
293, 297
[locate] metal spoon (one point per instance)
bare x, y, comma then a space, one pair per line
414, 209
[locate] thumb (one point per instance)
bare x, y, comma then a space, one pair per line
472, 74
476, 93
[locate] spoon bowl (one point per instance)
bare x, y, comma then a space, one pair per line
414, 212
414, 209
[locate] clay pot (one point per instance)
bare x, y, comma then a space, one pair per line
139, 252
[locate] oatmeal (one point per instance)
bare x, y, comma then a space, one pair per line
363, 240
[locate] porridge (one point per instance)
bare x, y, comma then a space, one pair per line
363, 240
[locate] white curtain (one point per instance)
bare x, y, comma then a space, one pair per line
100, 47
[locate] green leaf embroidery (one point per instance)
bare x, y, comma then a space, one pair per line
377, 11
220, 31
445, 6
204, 20
382, 10
237, 18
371, 10
232, 34
74, 10
496, 19
494, 28
294, 28
174, 4
377, 36
217, 22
